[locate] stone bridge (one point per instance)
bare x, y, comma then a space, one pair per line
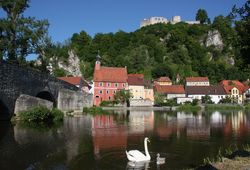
16, 80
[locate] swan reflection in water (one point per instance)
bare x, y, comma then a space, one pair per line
144, 165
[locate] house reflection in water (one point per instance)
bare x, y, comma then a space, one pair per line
107, 134
190, 125
140, 121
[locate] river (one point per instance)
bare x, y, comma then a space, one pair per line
99, 142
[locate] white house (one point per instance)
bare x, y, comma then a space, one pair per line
197, 81
215, 92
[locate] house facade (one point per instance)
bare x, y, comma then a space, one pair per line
107, 81
136, 86
197, 81
142, 94
234, 90
215, 92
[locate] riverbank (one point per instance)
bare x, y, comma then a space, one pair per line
202, 107
237, 160
242, 163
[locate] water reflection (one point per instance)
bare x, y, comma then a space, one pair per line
99, 142
137, 165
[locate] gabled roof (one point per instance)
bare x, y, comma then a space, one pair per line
164, 79
136, 79
197, 79
173, 89
111, 74
205, 90
75, 81
72, 80
230, 84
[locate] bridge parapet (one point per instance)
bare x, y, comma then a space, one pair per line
16, 80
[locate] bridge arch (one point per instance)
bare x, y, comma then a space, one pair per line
47, 96
4, 110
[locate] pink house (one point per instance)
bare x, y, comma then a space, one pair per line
107, 81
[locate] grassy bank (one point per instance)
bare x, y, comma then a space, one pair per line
231, 159
189, 108
95, 111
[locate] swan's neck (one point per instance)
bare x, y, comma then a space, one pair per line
146, 148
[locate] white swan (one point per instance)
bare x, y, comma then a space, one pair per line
137, 156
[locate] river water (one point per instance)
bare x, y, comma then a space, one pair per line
99, 142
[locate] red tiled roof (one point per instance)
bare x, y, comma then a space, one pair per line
173, 89
71, 80
196, 79
164, 79
111, 74
136, 79
229, 84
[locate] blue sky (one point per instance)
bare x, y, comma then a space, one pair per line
102, 16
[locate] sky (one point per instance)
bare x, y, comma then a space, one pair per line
103, 16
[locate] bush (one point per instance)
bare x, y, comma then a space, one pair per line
94, 110
189, 107
57, 115
41, 114
107, 103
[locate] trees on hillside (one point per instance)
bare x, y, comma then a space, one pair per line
242, 27
202, 16
19, 35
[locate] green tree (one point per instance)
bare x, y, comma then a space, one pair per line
19, 35
202, 16
242, 27
227, 99
206, 99
123, 96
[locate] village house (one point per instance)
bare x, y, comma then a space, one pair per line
170, 92
234, 90
215, 92
107, 81
197, 81
163, 81
136, 85
142, 94
246, 94
78, 82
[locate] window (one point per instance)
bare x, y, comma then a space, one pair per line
123, 85
114, 92
107, 92
109, 98
116, 84
97, 96
100, 91
108, 84
100, 84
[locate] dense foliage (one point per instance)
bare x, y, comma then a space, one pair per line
167, 50
156, 50
19, 35
41, 114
